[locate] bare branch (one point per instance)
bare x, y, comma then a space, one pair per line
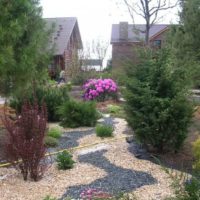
149, 10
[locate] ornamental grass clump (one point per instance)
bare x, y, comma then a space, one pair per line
55, 133
51, 141
104, 130
100, 89
25, 145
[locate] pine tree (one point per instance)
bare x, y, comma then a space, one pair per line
23, 44
156, 102
185, 41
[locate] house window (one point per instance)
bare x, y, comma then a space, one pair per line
157, 44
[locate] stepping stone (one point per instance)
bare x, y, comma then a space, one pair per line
94, 149
3, 177
106, 115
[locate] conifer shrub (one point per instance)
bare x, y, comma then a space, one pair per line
157, 105
52, 96
64, 160
75, 114
25, 144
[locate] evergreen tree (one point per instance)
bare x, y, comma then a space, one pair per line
185, 41
157, 106
23, 44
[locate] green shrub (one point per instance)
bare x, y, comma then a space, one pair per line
52, 96
55, 133
104, 130
50, 141
75, 114
157, 105
196, 152
64, 160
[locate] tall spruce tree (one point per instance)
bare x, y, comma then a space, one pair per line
23, 44
185, 41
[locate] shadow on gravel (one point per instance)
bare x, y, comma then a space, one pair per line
168, 160
118, 179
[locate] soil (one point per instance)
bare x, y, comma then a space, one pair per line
183, 160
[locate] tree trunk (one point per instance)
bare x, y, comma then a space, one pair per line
147, 18
147, 35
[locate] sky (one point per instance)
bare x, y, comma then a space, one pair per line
95, 17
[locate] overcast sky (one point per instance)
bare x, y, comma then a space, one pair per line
95, 17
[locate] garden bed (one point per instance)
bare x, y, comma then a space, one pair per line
109, 167
113, 167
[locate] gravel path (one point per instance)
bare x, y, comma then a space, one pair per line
117, 180
110, 167
72, 138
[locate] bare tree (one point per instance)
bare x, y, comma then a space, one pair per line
99, 49
149, 10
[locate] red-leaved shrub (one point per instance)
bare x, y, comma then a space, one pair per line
25, 145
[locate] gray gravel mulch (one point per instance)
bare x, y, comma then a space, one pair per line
118, 179
70, 139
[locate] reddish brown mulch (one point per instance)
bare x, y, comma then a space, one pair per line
102, 106
183, 160
11, 113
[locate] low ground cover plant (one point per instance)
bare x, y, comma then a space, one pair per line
55, 133
100, 89
75, 114
49, 198
113, 108
52, 96
186, 186
116, 111
64, 160
25, 147
104, 130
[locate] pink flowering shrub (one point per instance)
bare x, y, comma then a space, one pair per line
92, 194
99, 89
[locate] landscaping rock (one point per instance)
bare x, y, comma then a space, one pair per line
130, 139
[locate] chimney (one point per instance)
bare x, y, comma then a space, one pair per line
123, 31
